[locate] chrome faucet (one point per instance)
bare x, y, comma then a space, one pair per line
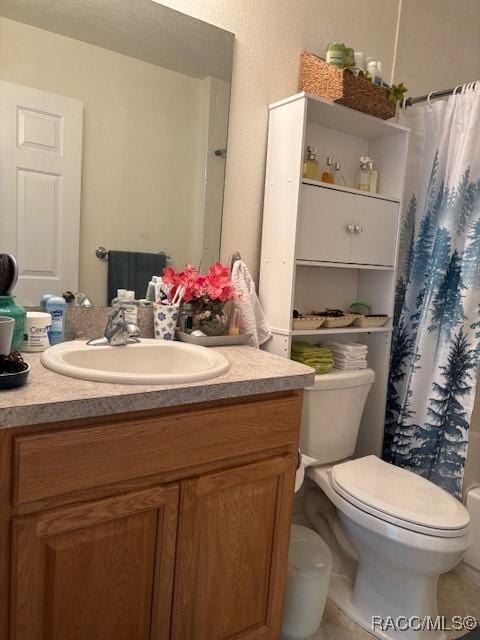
118, 331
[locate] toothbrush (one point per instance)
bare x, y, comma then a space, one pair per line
178, 297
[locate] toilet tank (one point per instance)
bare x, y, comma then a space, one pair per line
332, 410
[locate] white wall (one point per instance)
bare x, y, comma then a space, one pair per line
439, 44
142, 167
269, 36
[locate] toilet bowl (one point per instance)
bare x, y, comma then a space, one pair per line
392, 532
399, 553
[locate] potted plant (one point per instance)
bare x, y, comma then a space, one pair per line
207, 294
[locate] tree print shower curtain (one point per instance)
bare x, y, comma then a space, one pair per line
436, 336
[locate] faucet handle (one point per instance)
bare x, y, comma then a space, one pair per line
132, 330
118, 330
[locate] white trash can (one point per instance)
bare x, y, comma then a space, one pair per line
308, 578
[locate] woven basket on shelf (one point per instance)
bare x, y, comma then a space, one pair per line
327, 81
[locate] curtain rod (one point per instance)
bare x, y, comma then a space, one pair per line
434, 94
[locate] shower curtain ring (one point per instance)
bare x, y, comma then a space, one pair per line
428, 99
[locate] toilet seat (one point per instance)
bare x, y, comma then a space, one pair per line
399, 497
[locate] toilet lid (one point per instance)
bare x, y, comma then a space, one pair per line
381, 487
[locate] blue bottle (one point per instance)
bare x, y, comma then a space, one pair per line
56, 307
43, 300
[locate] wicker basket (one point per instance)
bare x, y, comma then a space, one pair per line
337, 322
370, 321
325, 80
307, 323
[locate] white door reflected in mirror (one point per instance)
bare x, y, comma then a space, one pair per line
155, 88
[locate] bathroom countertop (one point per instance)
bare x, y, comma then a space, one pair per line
50, 397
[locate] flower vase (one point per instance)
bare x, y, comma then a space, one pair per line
209, 316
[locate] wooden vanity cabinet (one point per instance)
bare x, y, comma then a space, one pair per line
93, 570
232, 553
165, 550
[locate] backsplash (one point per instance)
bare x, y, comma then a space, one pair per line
90, 322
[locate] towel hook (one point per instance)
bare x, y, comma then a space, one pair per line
235, 256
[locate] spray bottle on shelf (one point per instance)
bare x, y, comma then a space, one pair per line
363, 176
327, 175
310, 165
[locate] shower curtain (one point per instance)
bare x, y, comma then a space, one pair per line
436, 336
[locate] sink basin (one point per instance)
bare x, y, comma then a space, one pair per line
145, 362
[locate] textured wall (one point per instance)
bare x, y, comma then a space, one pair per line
437, 40
439, 44
269, 35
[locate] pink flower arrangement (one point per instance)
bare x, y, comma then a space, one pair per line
216, 284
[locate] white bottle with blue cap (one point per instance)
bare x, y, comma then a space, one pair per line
56, 306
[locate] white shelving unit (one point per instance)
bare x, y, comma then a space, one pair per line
327, 245
339, 187
332, 332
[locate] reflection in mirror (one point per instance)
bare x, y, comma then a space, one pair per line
114, 132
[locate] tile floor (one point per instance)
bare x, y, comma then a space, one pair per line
456, 597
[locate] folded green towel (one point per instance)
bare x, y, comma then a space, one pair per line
312, 355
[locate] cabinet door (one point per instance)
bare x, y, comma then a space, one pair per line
92, 571
325, 226
232, 557
374, 231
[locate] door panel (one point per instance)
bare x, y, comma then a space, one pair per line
375, 231
40, 181
323, 232
93, 570
232, 556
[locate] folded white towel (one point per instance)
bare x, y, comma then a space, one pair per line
339, 356
349, 363
343, 356
350, 367
353, 345
347, 346
347, 352
252, 318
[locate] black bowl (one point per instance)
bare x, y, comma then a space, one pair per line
13, 380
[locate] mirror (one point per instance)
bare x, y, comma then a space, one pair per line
114, 134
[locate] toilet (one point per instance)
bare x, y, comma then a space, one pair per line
391, 532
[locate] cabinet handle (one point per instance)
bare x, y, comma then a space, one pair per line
349, 228
358, 228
